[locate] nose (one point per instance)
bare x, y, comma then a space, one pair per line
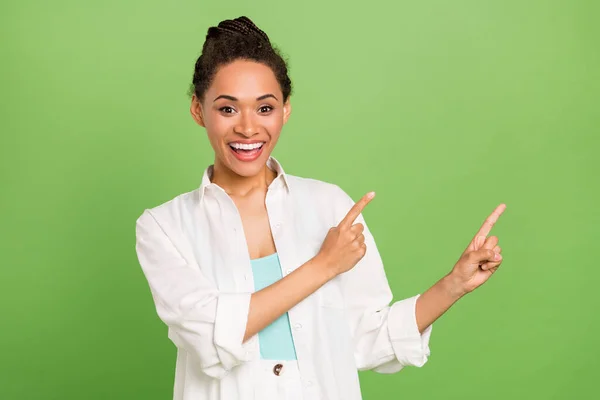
246, 125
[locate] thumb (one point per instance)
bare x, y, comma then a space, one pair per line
483, 255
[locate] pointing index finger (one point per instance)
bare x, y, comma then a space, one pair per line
356, 210
491, 221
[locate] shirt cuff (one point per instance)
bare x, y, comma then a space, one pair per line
410, 347
230, 326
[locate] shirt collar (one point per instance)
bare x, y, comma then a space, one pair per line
281, 179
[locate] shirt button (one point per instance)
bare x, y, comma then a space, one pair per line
278, 225
289, 271
277, 369
298, 326
308, 383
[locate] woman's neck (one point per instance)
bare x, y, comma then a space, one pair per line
241, 186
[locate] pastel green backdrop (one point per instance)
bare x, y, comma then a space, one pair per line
446, 109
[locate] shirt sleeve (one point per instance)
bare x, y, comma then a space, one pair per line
386, 336
207, 323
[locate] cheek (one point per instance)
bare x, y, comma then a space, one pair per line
274, 123
217, 128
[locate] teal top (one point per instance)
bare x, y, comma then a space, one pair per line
276, 342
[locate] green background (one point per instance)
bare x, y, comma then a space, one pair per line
445, 108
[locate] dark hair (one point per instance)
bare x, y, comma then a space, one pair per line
233, 40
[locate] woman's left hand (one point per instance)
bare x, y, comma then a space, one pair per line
481, 258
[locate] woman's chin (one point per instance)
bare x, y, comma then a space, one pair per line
245, 167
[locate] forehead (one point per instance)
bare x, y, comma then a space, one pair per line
244, 79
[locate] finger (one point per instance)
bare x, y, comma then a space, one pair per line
489, 222
491, 265
481, 236
475, 244
357, 229
360, 239
356, 210
363, 249
482, 256
488, 265
489, 243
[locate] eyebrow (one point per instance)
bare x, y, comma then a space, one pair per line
228, 97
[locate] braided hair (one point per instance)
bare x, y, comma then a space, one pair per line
237, 39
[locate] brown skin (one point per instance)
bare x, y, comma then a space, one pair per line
475, 266
226, 121
229, 120
246, 183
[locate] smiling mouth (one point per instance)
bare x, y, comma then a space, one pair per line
247, 152
246, 149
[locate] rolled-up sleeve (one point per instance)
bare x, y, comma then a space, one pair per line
207, 323
386, 336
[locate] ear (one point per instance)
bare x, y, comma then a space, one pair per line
287, 110
196, 111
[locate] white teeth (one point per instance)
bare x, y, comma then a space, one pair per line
246, 146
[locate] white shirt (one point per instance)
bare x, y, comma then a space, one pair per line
193, 252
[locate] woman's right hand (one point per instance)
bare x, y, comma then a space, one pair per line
344, 245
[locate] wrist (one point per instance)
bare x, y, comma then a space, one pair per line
453, 287
322, 268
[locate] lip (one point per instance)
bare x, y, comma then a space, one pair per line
246, 157
247, 141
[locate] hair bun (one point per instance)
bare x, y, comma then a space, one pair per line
239, 26
237, 39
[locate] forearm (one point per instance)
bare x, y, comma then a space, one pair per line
436, 301
270, 303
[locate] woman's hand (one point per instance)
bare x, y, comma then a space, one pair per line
480, 259
344, 245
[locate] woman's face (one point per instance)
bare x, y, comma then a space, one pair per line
243, 113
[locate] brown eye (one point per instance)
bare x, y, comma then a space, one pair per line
265, 109
226, 110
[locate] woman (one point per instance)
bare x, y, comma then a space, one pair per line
271, 285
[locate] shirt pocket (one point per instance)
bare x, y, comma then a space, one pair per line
331, 295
